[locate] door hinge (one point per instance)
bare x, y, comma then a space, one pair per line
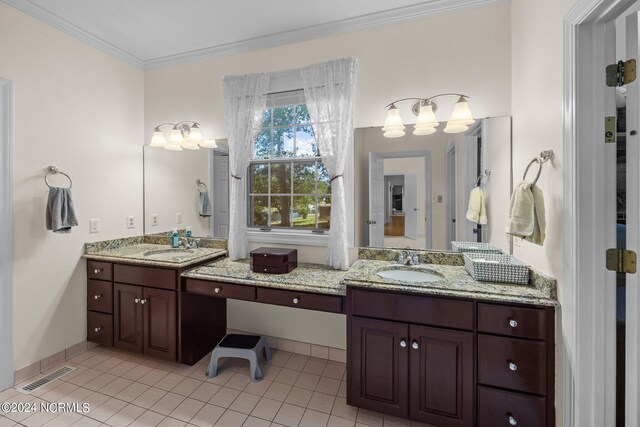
622, 73
621, 261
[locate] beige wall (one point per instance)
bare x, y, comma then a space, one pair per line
81, 110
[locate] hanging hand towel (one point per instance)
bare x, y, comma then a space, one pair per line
540, 223
61, 215
526, 214
205, 204
476, 211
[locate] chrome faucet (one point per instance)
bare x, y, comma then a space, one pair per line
188, 243
408, 258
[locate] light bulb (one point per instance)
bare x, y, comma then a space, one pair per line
461, 115
393, 126
158, 139
427, 117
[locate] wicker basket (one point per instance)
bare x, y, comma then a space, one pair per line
475, 247
496, 268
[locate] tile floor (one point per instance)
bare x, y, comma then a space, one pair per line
125, 389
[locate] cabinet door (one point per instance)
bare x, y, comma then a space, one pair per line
379, 365
127, 314
160, 323
441, 376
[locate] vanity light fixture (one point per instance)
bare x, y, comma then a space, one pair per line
183, 135
426, 122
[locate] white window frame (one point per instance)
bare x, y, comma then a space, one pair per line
289, 81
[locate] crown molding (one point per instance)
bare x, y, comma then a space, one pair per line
62, 24
391, 16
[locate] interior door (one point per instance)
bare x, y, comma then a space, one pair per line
410, 205
376, 200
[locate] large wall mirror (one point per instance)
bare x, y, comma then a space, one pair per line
413, 191
177, 182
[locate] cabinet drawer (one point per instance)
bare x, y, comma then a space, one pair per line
512, 363
512, 321
332, 303
99, 270
153, 277
100, 296
502, 408
220, 290
413, 309
100, 328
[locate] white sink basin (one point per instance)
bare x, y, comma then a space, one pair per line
169, 254
410, 276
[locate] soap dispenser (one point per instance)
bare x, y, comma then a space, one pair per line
175, 238
189, 233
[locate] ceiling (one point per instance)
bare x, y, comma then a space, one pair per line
153, 33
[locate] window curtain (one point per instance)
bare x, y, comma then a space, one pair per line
245, 98
329, 89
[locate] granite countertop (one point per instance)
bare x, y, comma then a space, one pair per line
315, 278
135, 254
456, 283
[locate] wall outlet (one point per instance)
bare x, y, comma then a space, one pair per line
94, 225
179, 218
131, 221
155, 220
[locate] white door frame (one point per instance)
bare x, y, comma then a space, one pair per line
6, 242
451, 199
585, 309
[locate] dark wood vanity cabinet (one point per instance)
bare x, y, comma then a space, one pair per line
449, 362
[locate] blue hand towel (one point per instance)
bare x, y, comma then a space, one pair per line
205, 204
61, 215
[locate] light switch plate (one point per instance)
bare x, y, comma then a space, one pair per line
155, 220
131, 221
179, 218
94, 225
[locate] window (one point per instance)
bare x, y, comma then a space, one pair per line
289, 187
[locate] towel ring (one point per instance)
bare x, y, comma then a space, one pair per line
54, 171
199, 183
535, 180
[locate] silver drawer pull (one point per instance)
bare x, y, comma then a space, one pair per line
97, 271
513, 323
296, 300
217, 290
98, 329
513, 366
512, 421
403, 343
142, 301
98, 296
137, 300
415, 345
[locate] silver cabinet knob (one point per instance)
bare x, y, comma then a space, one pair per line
403, 343
513, 323
98, 329
513, 366
97, 296
513, 421
137, 300
142, 301
217, 290
415, 345
97, 271
296, 300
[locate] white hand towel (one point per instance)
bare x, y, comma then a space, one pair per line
476, 211
527, 214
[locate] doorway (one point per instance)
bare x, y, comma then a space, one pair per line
6, 243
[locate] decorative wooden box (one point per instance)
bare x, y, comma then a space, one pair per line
273, 260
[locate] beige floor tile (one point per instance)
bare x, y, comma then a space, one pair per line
59, 392
239, 381
313, 418
122, 368
342, 391
205, 391
270, 372
84, 377
256, 422
186, 386
278, 391
266, 409
315, 366
167, 403
171, 422
289, 415
136, 373
153, 376
287, 376
107, 410
7, 394
187, 409
38, 419
100, 382
95, 400
64, 420
328, 386
321, 402
307, 380
302, 348
279, 358
207, 416
391, 421
339, 422
126, 416
108, 364
259, 388
222, 377
147, 419
116, 386
342, 410
149, 397
371, 418
231, 419
132, 392
87, 422
224, 397
169, 381
296, 362
200, 373
299, 397
334, 370
245, 403
78, 395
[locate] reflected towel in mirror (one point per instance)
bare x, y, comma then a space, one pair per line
205, 204
61, 214
476, 211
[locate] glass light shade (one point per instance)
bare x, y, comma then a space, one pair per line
393, 126
173, 147
421, 130
461, 115
158, 139
453, 128
188, 145
426, 117
195, 135
209, 143
175, 137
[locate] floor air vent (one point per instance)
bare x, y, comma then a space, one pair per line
31, 387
